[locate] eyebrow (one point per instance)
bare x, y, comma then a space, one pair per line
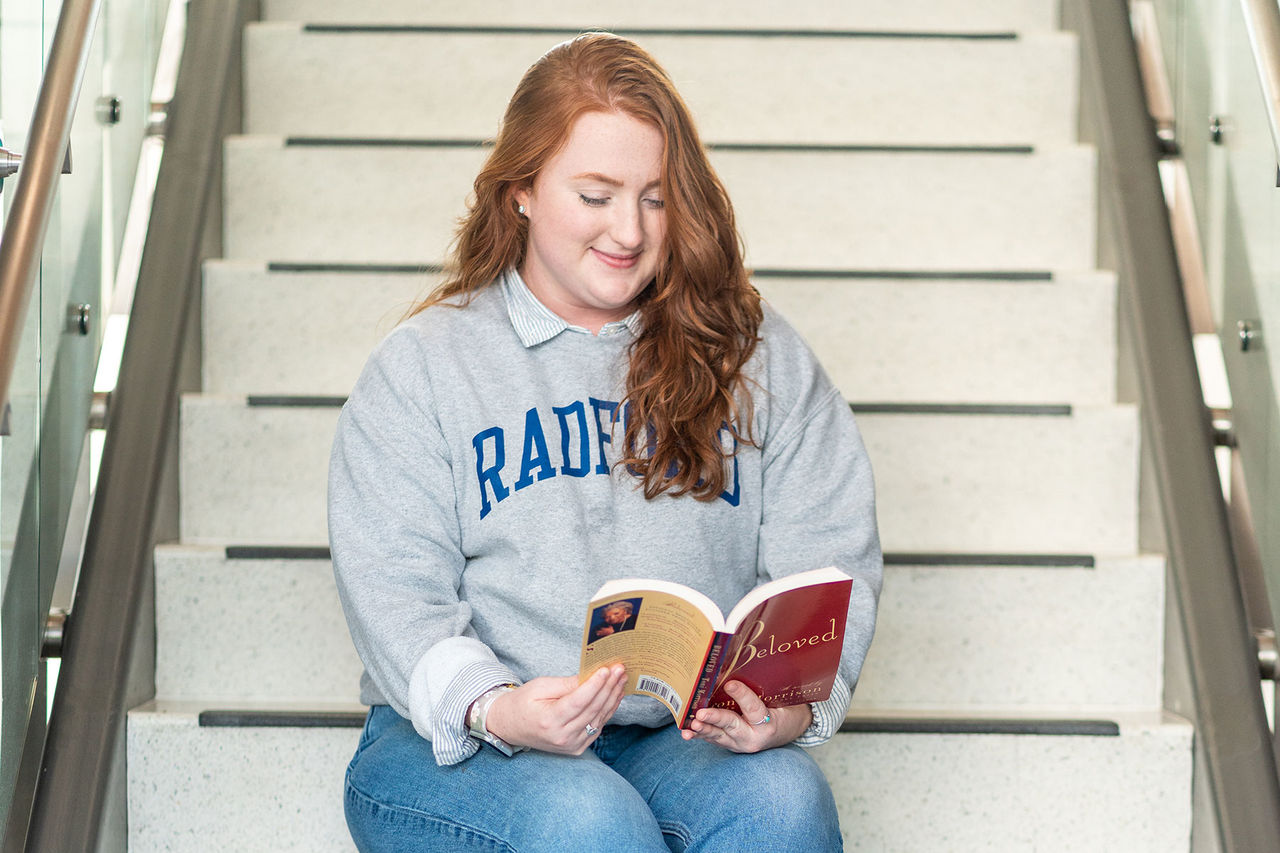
605, 179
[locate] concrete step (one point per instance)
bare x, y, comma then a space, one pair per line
257, 341
1044, 340
872, 90
236, 626
960, 785
254, 474
203, 788
946, 482
1006, 482
974, 16
797, 209
997, 633
901, 783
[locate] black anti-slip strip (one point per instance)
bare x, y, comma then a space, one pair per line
1018, 409
1059, 561
277, 552
417, 29
282, 266
381, 142
297, 402
355, 719
772, 147
940, 726
807, 148
282, 719
920, 275
764, 272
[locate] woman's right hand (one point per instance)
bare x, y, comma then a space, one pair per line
558, 714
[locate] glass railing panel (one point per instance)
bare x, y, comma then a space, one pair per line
43, 465
1190, 36
1252, 286
23, 45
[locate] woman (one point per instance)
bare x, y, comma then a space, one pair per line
595, 392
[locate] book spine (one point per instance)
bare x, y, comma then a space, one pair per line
707, 681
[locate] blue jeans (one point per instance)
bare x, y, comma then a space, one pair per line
637, 789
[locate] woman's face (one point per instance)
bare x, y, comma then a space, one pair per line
596, 223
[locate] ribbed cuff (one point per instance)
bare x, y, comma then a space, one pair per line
444, 720
828, 715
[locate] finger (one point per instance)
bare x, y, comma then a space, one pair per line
751, 706
616, 695
607, 692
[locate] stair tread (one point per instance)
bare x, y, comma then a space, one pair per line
817, 210
878, 90
880, 339
921, 15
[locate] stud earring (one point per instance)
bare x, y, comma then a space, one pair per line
520, 209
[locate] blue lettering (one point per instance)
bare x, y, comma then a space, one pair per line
490, 474
535, 452
584, 449
735, 497
604, 436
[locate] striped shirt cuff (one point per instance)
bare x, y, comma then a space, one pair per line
828, 715
451, 741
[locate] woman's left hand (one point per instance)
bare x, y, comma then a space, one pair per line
755, 728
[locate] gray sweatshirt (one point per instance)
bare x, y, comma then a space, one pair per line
474, 506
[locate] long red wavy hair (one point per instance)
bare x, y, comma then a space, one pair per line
700, 315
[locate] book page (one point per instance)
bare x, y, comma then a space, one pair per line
760, 594
660, 637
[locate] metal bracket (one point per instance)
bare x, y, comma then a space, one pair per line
1250, 334
1268, 654
99, 409
1224, 428
55, 628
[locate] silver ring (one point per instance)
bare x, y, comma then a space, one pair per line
591, 730
766, 719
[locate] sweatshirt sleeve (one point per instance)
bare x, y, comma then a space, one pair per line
397, 553
819, 510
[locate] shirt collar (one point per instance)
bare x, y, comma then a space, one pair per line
535, 323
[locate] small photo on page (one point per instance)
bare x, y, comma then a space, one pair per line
614, 618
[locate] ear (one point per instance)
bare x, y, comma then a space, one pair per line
521, 196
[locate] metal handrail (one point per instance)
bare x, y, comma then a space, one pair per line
1233, 752
1262, 20
24, 230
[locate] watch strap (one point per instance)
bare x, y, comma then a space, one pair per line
477, 716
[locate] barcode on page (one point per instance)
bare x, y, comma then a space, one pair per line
661, 689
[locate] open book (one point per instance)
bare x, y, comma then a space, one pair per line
783, 640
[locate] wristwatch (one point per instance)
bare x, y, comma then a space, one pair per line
476, 719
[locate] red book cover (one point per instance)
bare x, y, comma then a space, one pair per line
786, 649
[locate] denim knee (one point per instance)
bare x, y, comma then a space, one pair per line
587, 816
798, 807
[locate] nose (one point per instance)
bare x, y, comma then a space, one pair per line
627, 227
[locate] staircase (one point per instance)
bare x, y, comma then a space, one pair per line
911, 195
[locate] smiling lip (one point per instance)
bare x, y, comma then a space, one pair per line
620, 262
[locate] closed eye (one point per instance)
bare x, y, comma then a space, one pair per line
655, 203
592, 201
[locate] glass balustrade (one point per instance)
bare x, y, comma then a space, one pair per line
44, 470
1226, 147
